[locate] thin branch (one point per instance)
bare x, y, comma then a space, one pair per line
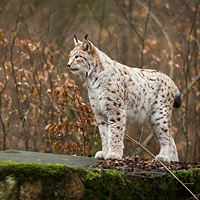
189, 87
131, 25
98, 20
165, 34
144, 35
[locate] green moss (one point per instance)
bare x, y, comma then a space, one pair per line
108, 184
101, 184
7, 187
33, 170
51, 176
171, 188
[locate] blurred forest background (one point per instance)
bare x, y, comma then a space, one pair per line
44, 108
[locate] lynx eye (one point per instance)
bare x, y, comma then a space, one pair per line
76, 56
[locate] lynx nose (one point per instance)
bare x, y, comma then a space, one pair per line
69, 64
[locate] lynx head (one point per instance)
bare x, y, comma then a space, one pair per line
81, 58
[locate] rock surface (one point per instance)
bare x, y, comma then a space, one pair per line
47, 158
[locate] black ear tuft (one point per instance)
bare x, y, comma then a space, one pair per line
75, 37
86, 36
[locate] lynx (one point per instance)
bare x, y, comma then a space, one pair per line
117, 91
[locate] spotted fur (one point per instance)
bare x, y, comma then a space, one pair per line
117, 92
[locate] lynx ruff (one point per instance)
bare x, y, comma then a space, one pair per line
117, 91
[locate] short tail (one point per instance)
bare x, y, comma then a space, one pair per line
177, 100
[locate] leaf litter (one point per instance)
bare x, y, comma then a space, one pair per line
144, 167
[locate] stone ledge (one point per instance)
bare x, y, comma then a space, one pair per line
26, 181
47, 158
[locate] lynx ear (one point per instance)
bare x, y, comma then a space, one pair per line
76, 41
86, 45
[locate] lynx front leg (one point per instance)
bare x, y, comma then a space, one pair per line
116, 129
103, 130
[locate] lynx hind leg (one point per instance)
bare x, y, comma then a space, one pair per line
174, 153
103, 130
159, 122
163, 138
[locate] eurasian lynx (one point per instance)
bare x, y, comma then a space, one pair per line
117, 91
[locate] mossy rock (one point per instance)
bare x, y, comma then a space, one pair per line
113, 185
40, 181
55, 181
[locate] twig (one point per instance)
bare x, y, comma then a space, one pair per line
144, 144
196, 79
131, 25
144, 34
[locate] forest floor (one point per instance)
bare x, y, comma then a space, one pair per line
145, 167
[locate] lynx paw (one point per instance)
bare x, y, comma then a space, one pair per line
111, 156
162, 158
174, 157
100, 155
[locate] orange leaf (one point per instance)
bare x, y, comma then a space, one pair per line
46, 50
177, 56
88, 110
56, 52
52, 96
49, 127
177, 66
87, 124
56, 146
72, 147
62, 103
197, 107
50, 131
94, 122
63, 147
68, 126
85, 150
13, 32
